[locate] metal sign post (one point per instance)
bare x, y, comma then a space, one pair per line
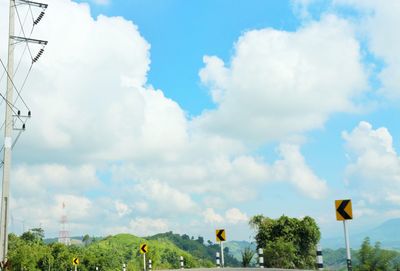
221, 237
344, 211
143, 250
222, 254
346, 237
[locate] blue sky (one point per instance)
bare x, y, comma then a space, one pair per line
183, 32
191, 115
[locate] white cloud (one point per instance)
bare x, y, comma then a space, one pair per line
82, 106
43, 179
301, 8
294, 168
279, 83
94, 112
142, 226
235, 216
161, 193
122, 208
374, 168
210, 216
232, 216
377, 24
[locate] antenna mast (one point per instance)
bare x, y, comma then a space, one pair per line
63, 236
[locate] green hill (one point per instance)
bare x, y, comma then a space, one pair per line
163, 253
196, 247
30, 252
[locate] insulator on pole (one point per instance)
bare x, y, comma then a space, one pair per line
29, 114
39, 18
19, 112
23, 126
39, 54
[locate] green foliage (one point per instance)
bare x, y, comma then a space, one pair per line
368, 257
375, 258
35, 235
29, 252
247, 256
280, 253
197, 248
288, 242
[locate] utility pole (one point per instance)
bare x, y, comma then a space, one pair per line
9, 123
8, 129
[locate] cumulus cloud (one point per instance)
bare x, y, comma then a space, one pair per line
161, 193
43, 179
376, 23
232, 216
374, 168
210, 216
122, 208
234, 179
279, 83
294, 168
142, 226
98, 126
235, 216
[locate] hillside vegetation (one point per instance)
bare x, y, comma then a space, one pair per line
30, 252
196, 247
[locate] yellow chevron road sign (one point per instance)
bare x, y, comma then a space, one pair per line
344, 210
220, 235
143, 248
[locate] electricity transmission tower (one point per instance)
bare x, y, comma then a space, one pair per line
12, 113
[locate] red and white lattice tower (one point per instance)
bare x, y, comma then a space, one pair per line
63, 236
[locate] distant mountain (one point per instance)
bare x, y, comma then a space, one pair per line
388, 233
236, 248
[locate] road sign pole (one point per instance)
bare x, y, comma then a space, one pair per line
144, 261
76, 268
346, 237
222, 254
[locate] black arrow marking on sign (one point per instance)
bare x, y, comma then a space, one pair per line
143, 248
76, 261
341, 210
219, 235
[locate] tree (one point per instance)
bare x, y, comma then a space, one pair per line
34, 235
297, 238
247, 256
280, 253
200, 240
375, 258
86, 239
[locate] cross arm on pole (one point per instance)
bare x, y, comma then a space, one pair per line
22, 39
35, 4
